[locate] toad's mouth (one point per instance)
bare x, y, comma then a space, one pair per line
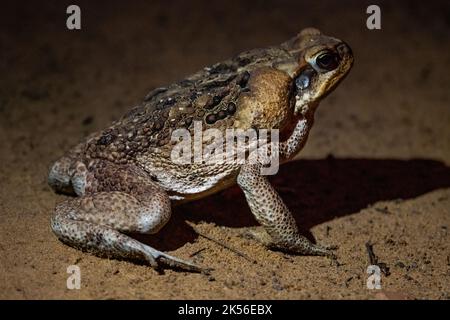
303, 93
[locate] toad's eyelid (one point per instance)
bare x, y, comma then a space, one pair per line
312, 58
322, 52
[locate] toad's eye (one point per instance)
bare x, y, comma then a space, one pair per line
327, 61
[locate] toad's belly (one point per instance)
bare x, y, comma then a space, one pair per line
186, 182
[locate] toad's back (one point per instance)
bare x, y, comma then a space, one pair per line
210, 97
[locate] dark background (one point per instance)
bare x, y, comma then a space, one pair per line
375, 167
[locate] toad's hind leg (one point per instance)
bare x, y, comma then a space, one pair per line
100, 222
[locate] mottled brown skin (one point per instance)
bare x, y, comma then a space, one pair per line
126, 181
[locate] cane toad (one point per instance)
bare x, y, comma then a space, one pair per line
126, 182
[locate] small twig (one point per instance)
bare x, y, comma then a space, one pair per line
347, 282
196, 252
243, 255
372, 257
384, 210
374, 260
327, 232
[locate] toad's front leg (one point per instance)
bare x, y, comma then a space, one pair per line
281, 230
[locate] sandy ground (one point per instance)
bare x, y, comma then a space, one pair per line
376, 167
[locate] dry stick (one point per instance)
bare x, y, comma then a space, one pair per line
243, 255
372, 257
196, 252
374, 260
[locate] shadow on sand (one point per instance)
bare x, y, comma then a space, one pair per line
316, 191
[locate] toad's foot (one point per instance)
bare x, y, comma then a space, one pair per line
120, 202
280, 229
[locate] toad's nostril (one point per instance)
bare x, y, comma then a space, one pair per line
344, 50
